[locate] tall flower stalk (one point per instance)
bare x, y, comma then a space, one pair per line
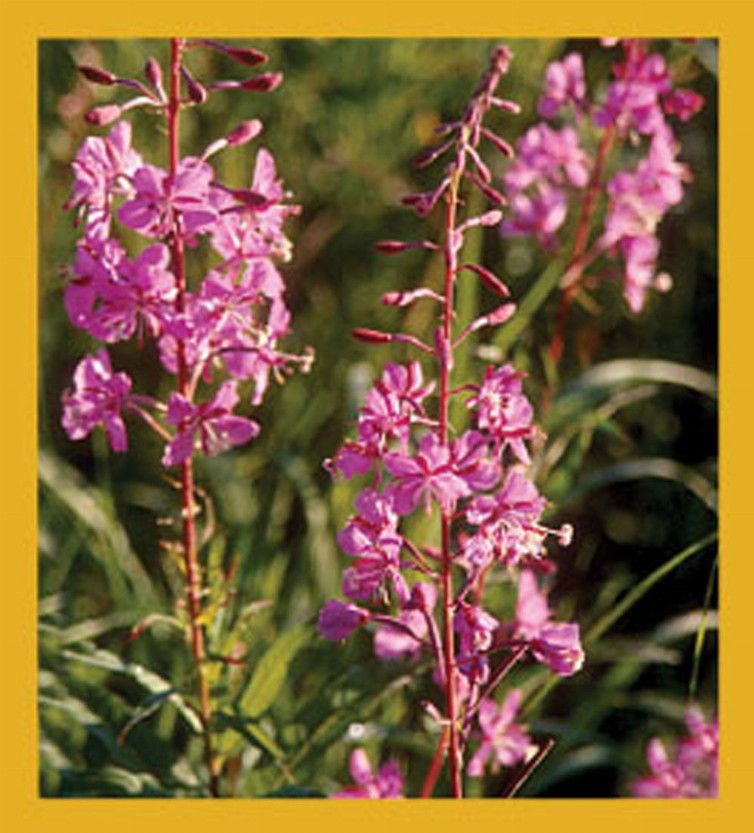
565, 167
428, 597
213, 334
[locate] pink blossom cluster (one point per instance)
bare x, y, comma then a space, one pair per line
557, 175
217, 334
474, 479
692, 771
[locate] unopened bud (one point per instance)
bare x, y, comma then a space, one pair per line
247, 57
371, 336
197, 92
245, 132
394, 247
100, 116
490, 280
501, 314
97, 75
264, 83
153, 73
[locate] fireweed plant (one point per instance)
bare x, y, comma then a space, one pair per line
427, 598
691, 771
215, 333
564, 172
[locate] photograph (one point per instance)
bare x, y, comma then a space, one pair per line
377, 417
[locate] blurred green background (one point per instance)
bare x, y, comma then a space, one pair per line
630, 461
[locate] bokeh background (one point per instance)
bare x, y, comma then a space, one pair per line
630, 460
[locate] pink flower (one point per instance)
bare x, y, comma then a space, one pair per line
387, 783
431, 474
555, 644
159, 203
503, 411
683, 103
98, 399
504, 742
633, 100
103, 167
509, 528
403, 640
218, 428
475, 628
692, 773
373, 539
338, 620
114, 300
250, 223
564, 84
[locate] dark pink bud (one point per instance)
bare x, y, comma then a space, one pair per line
153, 73
103, 115
371, 336
499, 143
492, 194
394, 247
245, 132
197, 92
264, 83
241, 55
97, 75
426, 157
247, 57
501, 314
491, 281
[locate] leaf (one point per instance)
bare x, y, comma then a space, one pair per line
537, 295
708, 620
648, 467
270, 673
605, 622
294, 791
107, 661
108, 541
632, 597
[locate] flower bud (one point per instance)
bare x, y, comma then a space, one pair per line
247, 57
368, 336
501, 314
492, 282
264, 83
100, 116
197, 92
245, 132
153, 74
97, 75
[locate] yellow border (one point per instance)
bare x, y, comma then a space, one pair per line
24, 23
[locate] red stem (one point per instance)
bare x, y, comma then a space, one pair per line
434, 768
446, 348
188, 507
580, 242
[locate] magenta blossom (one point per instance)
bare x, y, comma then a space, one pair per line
504, 742
159, 203
387, 783
692, 772
338, 620
556, 644
218, 428
431, 474
98, 399
103, 168
503, 411
564, 85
